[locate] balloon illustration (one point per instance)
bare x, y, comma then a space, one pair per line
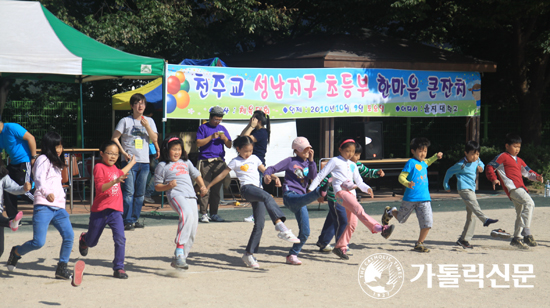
171, 103
182, 99
173, 85
185, 86
180, 75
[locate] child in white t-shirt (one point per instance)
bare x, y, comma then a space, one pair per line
246, 167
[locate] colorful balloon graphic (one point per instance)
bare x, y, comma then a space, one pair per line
181, 76
171, 103
182, 98
185, 86
173, 85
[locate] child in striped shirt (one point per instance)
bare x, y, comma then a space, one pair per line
336, 220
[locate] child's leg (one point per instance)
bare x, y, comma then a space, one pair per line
295, 201
1, 241
185, 207
524, 211
114, 219
469, 197
97, 223
42, 215
258, 210
302, 218
469, 226
425, 218
423, 235
62, 223
255, 194
344, 239
341, 220
329, 227
349, 201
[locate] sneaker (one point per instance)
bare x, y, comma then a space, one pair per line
489, 221
387, 231
340, 253
82, 248
348, 185
14, 223
293, 259
288, 236
129, 227
216, 218
250, 261
204, 218
387, 216
464, 244
500, 233
326, 248
323, 188
148, 199
78, 272
349, 252
249, 218
517, 242
530, 240
179, 262
62, 272
120, 273
12, 259
139, 225
419, 246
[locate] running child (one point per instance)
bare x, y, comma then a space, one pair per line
344, 173
510, 168
298, 170
10, 186
49, 206
246, 166
175, 174
337, 220
466, 172
107, 207
414, 177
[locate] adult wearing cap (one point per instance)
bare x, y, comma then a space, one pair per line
135, 131
211, 139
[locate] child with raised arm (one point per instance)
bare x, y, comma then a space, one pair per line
510, 168
337, 220
175, 174
466, 172
108, 206
49, 207
298, 170
246, 166
344, 174
417, 195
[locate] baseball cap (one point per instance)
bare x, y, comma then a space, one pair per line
300, 144
217, 110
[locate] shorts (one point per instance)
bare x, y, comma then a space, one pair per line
423, 211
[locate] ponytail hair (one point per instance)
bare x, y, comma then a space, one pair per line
241, 141
167, 144
264, 120
49, 141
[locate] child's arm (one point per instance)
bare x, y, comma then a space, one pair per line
403, 180
112, 183
490, 172
156, 144
216, 180
40, 171
359, 182
480, 166
456, 168
13, 188
367, 173
530, 173
280, 166
432, 159
322, 174
168, 186
130, 164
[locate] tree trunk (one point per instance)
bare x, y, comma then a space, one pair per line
531, 117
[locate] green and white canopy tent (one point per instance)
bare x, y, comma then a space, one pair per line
34, 44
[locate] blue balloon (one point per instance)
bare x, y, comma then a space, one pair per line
170, 103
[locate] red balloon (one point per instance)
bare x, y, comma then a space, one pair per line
173, 85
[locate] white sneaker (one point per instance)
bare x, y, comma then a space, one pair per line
288, 236
293, 259
250, 261
249, 218
204, 218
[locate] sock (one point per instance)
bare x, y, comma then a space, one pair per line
391, 210
280, 226
378, 228
179, 250
526, 232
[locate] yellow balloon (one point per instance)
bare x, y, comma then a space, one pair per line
181, 76
182, 99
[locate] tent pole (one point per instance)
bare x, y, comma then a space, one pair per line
81, 113
164, 119
408, 141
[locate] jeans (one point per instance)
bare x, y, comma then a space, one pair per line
133, 190
98, 221
261, 200
335, 223
296, 203
41, 218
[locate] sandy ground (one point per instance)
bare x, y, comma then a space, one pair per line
217, 276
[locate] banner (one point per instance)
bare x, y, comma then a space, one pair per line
323, 92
